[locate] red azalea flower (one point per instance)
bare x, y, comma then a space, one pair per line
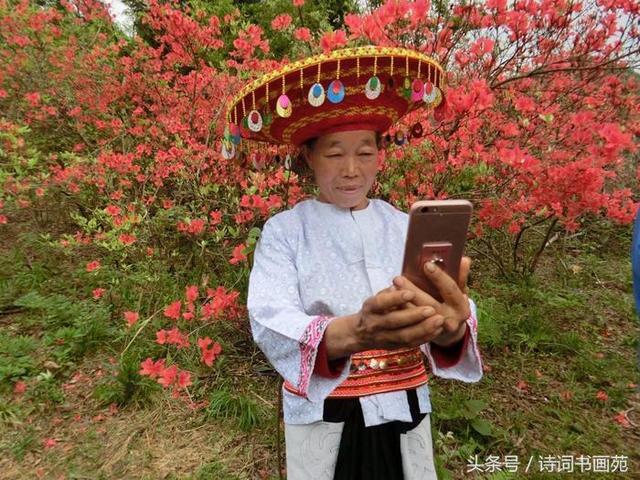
168, 376
113, 210
209, 355
191, 293
161, 337
203, 343
183, 380
20, 387
127, 238
152, 369
33, 98
281, 22
173, 310
332, 40
175, 337
93, 265
48, 443
215, 217
131, 318
238, 256
98, 292
621, 418
302, 34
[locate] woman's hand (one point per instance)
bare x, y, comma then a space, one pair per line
385, 321
454, 309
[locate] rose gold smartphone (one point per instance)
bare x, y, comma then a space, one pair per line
437, 232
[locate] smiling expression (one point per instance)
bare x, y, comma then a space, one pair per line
345, 165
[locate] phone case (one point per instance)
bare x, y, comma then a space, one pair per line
437, 231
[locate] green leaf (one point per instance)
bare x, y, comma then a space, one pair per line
483, 427
254, 232
475, 406
548, 118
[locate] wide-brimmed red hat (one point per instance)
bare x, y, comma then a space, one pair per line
363, 88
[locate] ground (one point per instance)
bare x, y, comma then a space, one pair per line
561, 379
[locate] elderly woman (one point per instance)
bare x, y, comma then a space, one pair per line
326, 300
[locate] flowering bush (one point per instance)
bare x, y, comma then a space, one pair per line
121, 137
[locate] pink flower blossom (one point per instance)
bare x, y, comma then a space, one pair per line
183, 380
302, 34
191, 293
48, 443
281, 22
131, 318
113, 210
127, 238
93, 265
168, 376
150, 368
173, 310
20, 387
209, 355
332, 40
33, 98
237, 255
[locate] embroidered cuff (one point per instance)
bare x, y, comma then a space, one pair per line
309, 342
449, 356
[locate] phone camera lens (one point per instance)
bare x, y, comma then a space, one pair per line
425, 209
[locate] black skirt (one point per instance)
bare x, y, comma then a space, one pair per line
369, 453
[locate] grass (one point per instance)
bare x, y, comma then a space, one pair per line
569, 334
549, 346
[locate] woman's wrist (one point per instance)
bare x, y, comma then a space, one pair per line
448, 339
340, 337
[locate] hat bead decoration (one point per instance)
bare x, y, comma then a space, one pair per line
244, 123
417, 87
234, 131
416, 130
373, 88
254, 119
228, 150
267, 116
283, 105
432, 94
335, 92
406, 85
316, 96
391, 84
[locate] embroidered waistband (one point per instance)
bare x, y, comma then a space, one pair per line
380, 371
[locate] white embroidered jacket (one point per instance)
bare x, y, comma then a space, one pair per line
316, 262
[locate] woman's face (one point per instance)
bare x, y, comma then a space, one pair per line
345, 166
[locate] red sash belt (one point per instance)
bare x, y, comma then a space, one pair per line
379, 371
